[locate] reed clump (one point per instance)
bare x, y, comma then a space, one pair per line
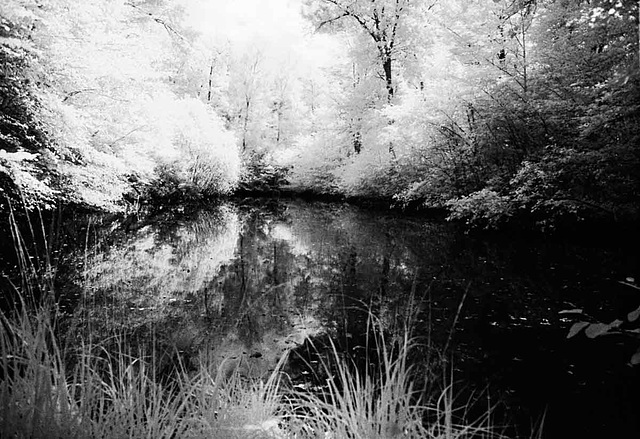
382, 402
85, 389
114, 395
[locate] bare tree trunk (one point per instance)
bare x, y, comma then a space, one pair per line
357, 142
210, 82
524, 55
386, 65
245, 126
279, 116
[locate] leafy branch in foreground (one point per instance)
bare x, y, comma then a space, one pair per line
593, 328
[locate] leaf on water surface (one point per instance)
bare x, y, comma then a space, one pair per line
616, 323
596, 329
576, 328
633, 315
635, 359
571, 311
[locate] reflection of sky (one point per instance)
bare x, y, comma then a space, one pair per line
283, 232
145, 243
305, 326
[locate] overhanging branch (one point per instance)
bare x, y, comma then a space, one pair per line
170, 29
331, 20
361, 21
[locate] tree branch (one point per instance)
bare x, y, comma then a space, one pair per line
361, 21
432, 5
331, 20
158, 20
112, 143
395, 24
75, 92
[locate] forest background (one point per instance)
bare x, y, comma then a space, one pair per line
498, 111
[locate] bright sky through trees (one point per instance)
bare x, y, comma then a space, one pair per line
245, 19
274, 25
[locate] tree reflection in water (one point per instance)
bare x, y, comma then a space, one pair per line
242, 283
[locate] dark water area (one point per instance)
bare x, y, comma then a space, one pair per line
243, 282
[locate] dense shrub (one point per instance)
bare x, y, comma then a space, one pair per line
313, 163
209, 158
483, 209
263, 174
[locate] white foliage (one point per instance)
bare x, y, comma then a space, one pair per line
313, 159
213, 156
19, 167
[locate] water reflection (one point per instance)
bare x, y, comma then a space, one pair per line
242, 282
254, 280
253, 268
159, 265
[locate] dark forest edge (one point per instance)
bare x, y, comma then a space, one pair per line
550, 144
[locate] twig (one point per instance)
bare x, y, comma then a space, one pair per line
455, 319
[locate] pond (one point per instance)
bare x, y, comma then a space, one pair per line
242, 282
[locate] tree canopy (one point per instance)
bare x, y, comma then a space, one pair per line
496, 110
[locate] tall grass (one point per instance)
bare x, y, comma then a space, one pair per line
88, 390
381, 402
115, 394
36, 267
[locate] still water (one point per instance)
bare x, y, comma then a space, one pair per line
243, 282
